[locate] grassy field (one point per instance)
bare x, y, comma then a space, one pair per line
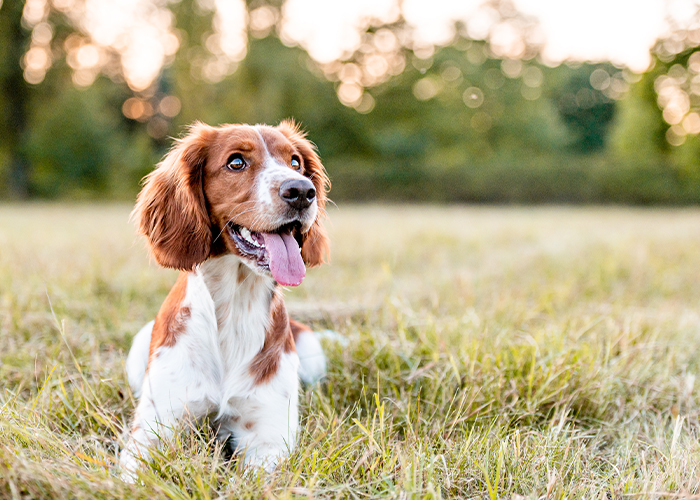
492, 353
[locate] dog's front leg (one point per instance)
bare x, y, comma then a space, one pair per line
149, 427
264, 423
171, 394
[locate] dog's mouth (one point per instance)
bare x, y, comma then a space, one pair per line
277, 252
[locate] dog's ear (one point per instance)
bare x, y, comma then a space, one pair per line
171, 209
316, 247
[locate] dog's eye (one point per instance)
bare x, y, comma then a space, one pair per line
296, 163
235, 162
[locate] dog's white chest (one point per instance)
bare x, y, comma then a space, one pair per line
241, 316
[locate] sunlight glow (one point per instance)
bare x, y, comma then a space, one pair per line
38, 59
141, 34
621, 31
228, 43
330, 30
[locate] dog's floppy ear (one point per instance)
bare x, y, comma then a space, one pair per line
171, 209
316, 247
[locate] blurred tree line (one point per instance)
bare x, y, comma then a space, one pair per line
456, 123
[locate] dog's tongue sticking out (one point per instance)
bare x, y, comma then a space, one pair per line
286, 264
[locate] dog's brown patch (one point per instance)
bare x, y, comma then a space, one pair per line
278, 340
298, 328
172, 317
242, 274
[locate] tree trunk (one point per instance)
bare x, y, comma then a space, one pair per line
15, 93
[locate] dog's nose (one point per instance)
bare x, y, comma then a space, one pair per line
298, 193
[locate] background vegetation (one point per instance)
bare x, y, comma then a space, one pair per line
447, 123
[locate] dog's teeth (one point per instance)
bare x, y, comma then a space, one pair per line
246, 234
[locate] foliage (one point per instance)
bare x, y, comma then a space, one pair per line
74, 132
456, 124
587, 111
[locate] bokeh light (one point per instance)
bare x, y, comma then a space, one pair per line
38, 58
170, 106
136, 108
674, 90
600, 79
262, 20
349, 93
426, 88
451, 74
512, 68
532, 76
473, 97
366, 104
530, 93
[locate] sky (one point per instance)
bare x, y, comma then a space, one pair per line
621, 31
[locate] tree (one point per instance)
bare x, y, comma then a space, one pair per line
14, 40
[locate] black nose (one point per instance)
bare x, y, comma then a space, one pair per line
298, 193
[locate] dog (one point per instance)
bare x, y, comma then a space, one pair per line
238, 210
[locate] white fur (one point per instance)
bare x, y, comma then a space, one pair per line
312, 361
206, 372
269, 180
137, 361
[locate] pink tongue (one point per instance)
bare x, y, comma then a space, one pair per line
286, 264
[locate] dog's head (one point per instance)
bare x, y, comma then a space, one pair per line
258, 192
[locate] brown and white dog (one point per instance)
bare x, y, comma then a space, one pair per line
237, 209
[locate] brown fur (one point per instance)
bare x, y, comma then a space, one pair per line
297, 327
278, 339
171, 319
229, 195
171, 208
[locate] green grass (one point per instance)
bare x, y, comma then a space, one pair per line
493, 353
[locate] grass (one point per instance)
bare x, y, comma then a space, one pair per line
492, 353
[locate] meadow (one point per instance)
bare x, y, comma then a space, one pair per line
488, 352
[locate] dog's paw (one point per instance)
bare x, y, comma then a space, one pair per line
127, 470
